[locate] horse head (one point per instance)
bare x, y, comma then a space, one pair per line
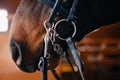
27, 36
27, 33
27, 30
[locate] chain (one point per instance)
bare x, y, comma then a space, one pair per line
51, 35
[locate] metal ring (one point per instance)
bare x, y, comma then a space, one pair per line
48, 56
66, 21
41, 62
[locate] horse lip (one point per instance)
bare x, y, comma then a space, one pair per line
28, 69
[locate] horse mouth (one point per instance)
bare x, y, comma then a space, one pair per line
32, 65
28, 69
53, 63
18, 58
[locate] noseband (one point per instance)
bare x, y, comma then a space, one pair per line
52, 33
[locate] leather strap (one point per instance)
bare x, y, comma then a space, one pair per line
51, 4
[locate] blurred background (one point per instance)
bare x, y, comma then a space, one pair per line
100, 51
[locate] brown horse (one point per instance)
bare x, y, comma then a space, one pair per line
27, 30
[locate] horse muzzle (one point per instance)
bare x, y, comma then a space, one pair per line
17, 58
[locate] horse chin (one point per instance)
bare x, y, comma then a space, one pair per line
27, 68
52, 64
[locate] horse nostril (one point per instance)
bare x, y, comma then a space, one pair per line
15, 49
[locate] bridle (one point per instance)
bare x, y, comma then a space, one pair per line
52, 33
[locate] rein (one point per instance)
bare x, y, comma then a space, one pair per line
52, 33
